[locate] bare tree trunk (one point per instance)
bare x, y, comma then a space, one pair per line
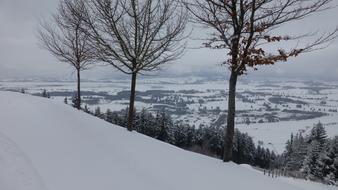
131, 102
230, 129
78, 101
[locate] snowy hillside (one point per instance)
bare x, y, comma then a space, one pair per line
46, 145
269, 111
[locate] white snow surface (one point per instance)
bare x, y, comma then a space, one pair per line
45, 145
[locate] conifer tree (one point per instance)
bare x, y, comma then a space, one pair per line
97, 112
318, 133
310, 167
330, 163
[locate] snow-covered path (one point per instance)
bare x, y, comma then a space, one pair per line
72, 150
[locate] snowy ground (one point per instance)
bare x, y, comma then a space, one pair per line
47, 145
272, 134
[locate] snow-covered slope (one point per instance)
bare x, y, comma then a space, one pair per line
46, 145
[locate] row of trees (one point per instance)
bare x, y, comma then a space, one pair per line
132, 36
44, 93
315, 155
138, 36
206, 140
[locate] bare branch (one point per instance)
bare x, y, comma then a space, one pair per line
244, 27
136, 36
63, 37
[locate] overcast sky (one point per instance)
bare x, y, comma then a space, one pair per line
21, 57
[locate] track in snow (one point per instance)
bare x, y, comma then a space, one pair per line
16, 170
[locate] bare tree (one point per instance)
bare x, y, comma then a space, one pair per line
135, 36
247, 30
63, 38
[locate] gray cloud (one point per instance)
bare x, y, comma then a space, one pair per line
20, 55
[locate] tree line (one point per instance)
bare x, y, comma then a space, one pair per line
314, 156
137, 37
207, 140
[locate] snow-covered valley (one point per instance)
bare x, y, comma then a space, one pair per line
46, 145
269, 111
